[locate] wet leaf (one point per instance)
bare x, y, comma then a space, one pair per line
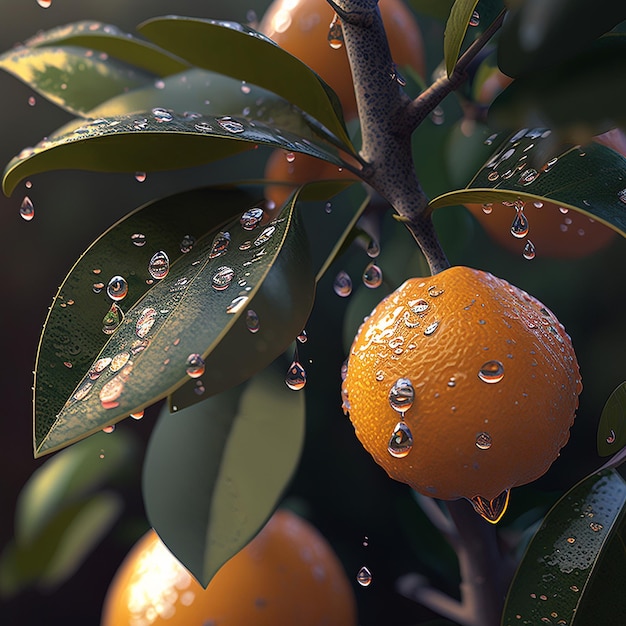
152, 140
580, 97
540, 34
528, 167
70, 79
87, 380
612, 426
214, 472
112, 41
68, 477
251, 57
456, 27
563, 575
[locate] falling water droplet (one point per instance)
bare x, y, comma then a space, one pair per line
222, 278
251, 218
137, 415
159, 265
296, 376
491, 510
475, 19
519, 226
117, 288
187, 243
529, 250
401, 395
372, 276
290, 156
109, 429
302, 337
491, 372
342, 284
140, 177
483, 441
27, 209
252, 321
220, 245
364, 577
139, 239
373, 249
335, 33
112, 319
401, 441
195, 366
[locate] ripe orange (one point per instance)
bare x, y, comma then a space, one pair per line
462, 385
287, 575
301, 27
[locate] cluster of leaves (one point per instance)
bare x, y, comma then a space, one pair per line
141, 105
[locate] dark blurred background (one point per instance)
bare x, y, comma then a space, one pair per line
337, 486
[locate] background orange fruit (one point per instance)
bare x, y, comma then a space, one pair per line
301, 27
494, 378
286, 576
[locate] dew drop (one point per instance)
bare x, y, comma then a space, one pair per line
199, 388
335, 33
401, 395
491, 510
621, 195
109, 429
419, 306
434, 292
117, 288
112, 319
203, 127
491, 372
162, 115
252, 321
187, 243
222, 278
431, 328
27, 209
563, 210
475, 19
159, 265
364, 577
483, 441
296, 376
519, 226
290, 156
119, 360
137, 415
342, 284
139, 239
529, 250
98, 367
140, 177
251, 218
237, 304
265, 236
487, 208
231, 125
44, 4
220, 245
611, 437
373, 249
145, 322
195, 365
401, 441
32, 101
372, 276
302, 337
489, 141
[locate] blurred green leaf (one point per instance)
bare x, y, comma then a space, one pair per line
60, 547
87, 380
439, 9
611, 429
214, 472
110, 40
456, 27
67, 478
251, 57
69, 78
561, 574
579, 98
589, 179
542, 34
152, 140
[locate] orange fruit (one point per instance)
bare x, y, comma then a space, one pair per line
287, 575
301, 28
462, 385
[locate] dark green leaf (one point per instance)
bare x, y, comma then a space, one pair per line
68, 477
69, 78
583, 96
87, 380
253, 58
590, 180
439, 9
456, 27
152, 140
612, 426
541, 34
580, 539
97, 38
214, 472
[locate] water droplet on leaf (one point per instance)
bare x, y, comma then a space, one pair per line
342, 284
187, 243
27, 209
140, 177
475, 19
117, 288
251, 218
222, 278
252, 321
159, 265
145, 322
372, 276
195, 366
139, 239
112, 319
231, 125
220, 245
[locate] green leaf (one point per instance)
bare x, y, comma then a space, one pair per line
152, 140
542, 34
582, 96
70, 79
589, 179
214, 472
563, 573
611, 429
67, 478
110, 40
87, 380
456, 27
439, 9
251, 57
